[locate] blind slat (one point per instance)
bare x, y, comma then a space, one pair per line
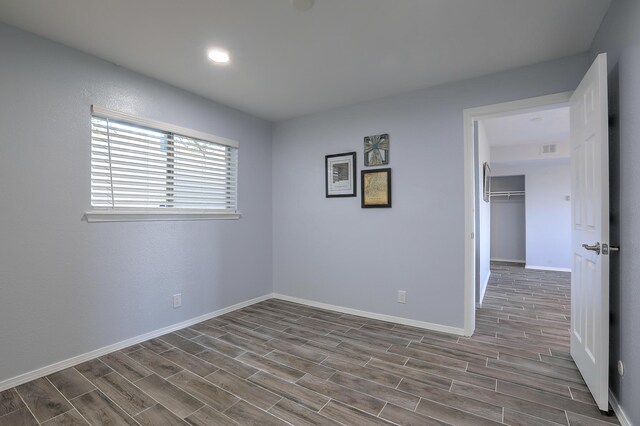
140, 167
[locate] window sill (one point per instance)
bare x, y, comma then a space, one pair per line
155, 216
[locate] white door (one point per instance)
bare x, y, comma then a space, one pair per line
590, 221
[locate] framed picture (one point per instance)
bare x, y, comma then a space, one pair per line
376, 188
340, 175
486, 179
376, 150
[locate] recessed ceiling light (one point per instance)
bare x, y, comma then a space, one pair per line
302, 4
218, 56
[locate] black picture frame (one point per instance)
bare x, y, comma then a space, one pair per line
375, 186
340, 175
486, 182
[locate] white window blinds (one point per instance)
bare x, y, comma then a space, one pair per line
142, 165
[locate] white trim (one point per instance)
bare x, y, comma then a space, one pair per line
99, 111
483, 289
115, 215
469, 116
622, 416
508, 260
70, 362
373, 315
547, 268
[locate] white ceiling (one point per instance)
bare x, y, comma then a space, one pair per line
287, 63
541, 127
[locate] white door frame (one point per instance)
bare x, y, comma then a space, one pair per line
471, 115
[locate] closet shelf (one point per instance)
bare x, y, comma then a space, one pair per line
507, 194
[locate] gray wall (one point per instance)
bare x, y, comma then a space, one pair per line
68, 287
548, 212
619, 36
332, 251
508, 224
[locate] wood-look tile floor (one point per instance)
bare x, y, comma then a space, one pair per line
277, 363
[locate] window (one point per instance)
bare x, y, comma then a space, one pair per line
146, 170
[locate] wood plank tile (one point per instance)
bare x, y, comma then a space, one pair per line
381, 377
158, 415
241, 388
384, 393
350, 416
442, 396
515, 418
360, 348
298, 415
208, 330
576, 419
300, 364
247, 345
189, 362
173, 398
430, 357
154, 362
219, 346
207, 416
125, 366
43, 399
21, 416
451, 415
403, 417
345, 395
408, 373
187, 333
70, 383
294, 392
203, 390
156, 345
228, 364
246, 414
70, 418
453, 374
551, 400
100, 410
507, 401
295, 350
180, 342
121, 391
93, 369
272, 367
10, 401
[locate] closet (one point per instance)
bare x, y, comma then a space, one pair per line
508, 219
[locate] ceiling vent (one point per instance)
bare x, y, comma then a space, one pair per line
549, 148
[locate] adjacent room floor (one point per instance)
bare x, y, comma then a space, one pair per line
278, 362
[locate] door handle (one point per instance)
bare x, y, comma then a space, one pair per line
595, 247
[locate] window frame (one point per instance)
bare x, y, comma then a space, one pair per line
123, 214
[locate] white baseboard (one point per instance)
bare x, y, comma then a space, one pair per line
373, 315
508, 260
483, 289
622, 416
547, 268
70, 362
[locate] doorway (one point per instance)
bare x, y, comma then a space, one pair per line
479, 236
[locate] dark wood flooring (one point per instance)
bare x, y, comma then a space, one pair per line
277, 363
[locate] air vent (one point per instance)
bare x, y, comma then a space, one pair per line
549, 148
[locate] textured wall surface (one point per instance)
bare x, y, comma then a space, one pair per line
67, 286
619, 37
332, 251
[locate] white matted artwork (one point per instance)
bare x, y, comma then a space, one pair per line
340, 175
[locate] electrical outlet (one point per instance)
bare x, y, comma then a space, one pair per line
402, 296
177, 300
